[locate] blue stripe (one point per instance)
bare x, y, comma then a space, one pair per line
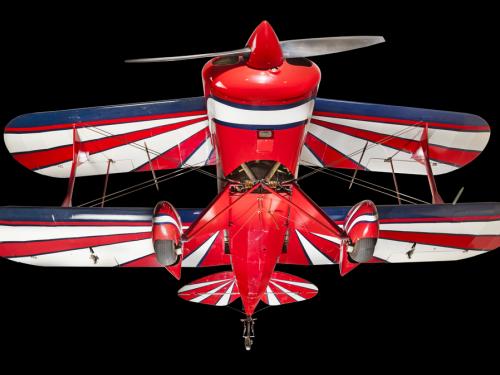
420, 211
396, 112
108, 112
62, 214
56, 214
262, 107
189, 215
261, 127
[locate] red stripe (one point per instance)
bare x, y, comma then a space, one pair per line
147, 261
402, 122
28, 248
103, 122
43, 158
213, 299
327, 248
193, 293
282, 297
459, 241
174, 157
78, 223
329, 156
438, 153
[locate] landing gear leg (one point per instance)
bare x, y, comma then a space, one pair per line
248, 331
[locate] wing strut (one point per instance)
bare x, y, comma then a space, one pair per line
77, 149
151, 167
357, 166
396, 186
106, 183
421, 155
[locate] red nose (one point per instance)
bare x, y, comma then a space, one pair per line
266, 50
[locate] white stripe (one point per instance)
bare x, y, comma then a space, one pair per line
166, 219
36, 233
204, 296
22, 142
109, 255
271, 297
194, 259
475, 141
397, 252
375, 154
235, 115
201, 155
131, 157
224, 301
110, 217
352, 214
308, 158
335, 240
295, 296
189, 287
491, 228
370, 218
315, 256
296, 283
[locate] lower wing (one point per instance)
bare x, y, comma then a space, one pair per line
94, 237
411, 233
122, 237
115, 139
371, 136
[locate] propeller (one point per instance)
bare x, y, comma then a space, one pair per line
326, 46
236, 52
265, 37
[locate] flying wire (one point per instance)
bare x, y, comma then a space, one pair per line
354, 153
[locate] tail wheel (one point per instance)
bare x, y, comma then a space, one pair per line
166, 253
364, 249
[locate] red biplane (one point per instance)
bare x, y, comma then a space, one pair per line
258, 121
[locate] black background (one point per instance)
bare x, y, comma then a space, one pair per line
442, 58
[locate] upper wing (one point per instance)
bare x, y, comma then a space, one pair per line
95, 237
339, 132
413, 233
174, 133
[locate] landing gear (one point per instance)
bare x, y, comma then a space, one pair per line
248, 331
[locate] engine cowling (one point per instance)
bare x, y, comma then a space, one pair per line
167, 233
362, 227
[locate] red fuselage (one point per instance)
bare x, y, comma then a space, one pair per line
258, 109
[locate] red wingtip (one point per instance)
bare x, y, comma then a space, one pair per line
266, 50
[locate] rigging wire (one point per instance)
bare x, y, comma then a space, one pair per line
331, 173
177, 173
369, 183
136, 188
143, 148
354, 153
140, 186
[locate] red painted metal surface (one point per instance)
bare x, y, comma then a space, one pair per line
266, 50
237, 146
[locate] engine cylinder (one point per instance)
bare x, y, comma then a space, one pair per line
362, 227
167, 232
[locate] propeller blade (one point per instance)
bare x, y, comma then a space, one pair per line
325, 46
237, 52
